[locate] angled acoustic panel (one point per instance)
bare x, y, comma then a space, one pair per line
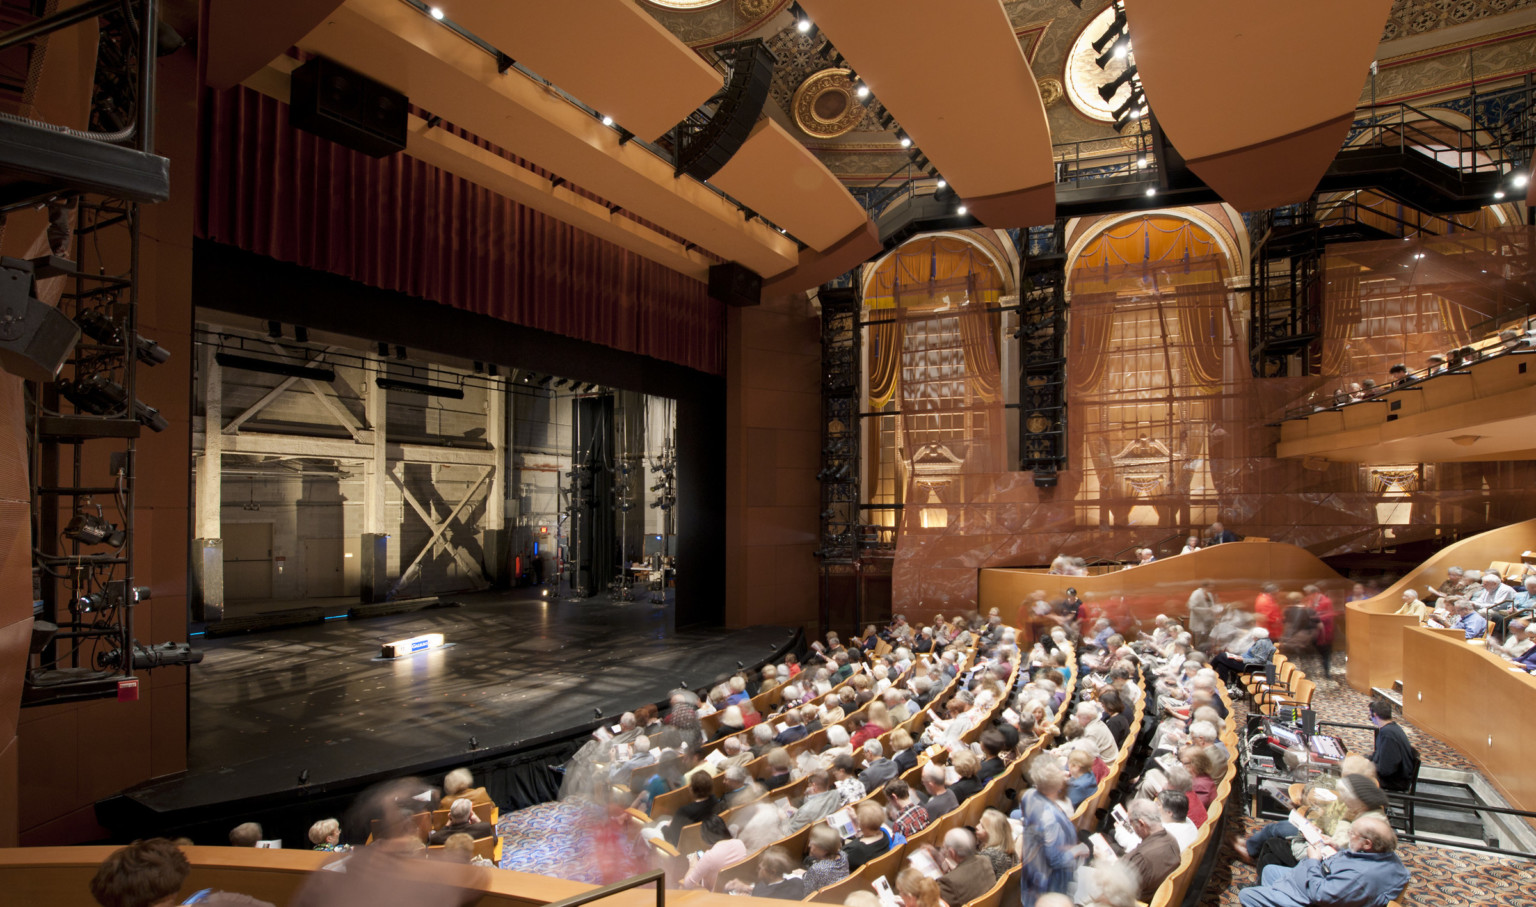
779, 178
1257, 97
458, 81
956, 79
608, 53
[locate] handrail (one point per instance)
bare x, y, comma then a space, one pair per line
596, 894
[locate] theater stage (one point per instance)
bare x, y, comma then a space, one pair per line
513, 691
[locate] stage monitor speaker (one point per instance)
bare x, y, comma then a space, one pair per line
734, 284
35, 338
347, 108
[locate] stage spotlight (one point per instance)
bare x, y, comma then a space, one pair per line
91, 602
479, 367
1519, 180
399, 352
383, 348
104, 330
544, 381
1151, 191
962, 210
300, 333
167, 655
861, 92
436, 12
492, 370
101, 396
275, 330
607, 120
803, 22
942, 182
1112, 33
1108, 89
1142, 162
1499, 193
905, 141
93, 529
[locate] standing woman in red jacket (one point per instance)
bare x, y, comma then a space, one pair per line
1322, 607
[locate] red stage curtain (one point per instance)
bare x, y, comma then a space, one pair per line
398, 224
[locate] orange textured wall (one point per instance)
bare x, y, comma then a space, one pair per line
773, 450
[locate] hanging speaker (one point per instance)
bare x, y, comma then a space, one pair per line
35, 338
347, 107
735, 284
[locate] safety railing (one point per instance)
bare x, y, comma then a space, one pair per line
597, 894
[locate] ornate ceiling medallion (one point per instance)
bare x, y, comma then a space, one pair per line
824, 105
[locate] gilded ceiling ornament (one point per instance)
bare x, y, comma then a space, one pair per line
754, 8
1051, 92
824, 105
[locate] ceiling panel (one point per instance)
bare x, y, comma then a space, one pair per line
452, 78
1257, 97
779, 178
609, 54
956, 79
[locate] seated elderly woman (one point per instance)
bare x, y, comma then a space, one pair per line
773, 879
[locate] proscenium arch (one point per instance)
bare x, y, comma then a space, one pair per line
1003, 257
1234, 247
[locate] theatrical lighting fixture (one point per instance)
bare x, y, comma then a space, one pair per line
607, 120
1151, 191
101, 396
104, 330
1108, 89
383, 348
944, 195
861, 92
1519, 180
544, 381
274, 367
479, 367
418, 387
93, 529
886, 120
906, 141
803, 22
399, 352
942, 183
436, 12
275, 330
1498, 193
1116, 51
962, 210
162, 656
90, 601
1113, 32
492, 370
301, 333
1142, 161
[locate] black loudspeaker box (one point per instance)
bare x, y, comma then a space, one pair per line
348, 108
35, 338
735, 285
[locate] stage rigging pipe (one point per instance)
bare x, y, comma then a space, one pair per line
62, 19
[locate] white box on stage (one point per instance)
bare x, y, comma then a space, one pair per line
414, 644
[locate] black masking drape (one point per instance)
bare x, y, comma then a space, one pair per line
592, 505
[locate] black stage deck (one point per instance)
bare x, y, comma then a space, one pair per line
521, 674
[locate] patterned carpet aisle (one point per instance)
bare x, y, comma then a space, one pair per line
552, 839
1439, 876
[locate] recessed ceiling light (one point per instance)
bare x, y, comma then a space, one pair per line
1151, 190
607, 120
436, 12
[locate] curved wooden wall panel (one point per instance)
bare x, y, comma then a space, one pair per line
1465, 696
1375, 646
1239, 571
